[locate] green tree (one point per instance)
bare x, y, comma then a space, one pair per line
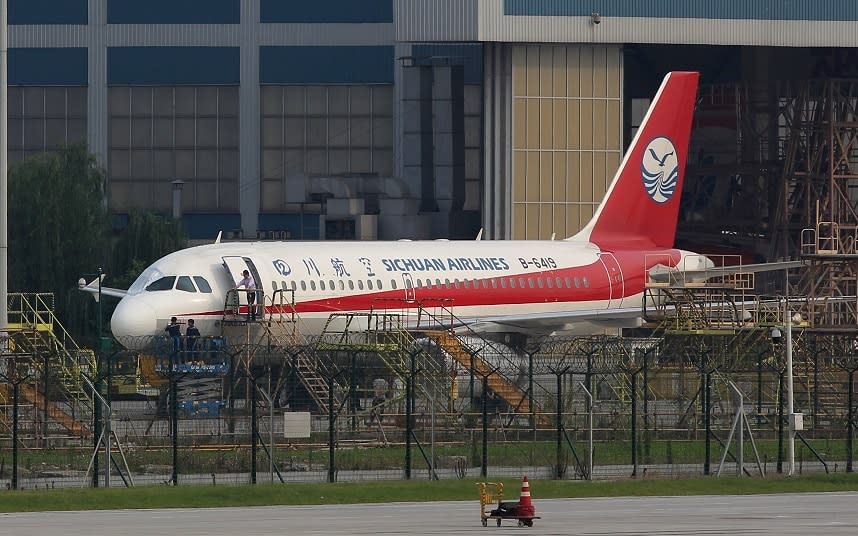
145, 239
58, 224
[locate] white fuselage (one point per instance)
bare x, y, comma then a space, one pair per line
468, 279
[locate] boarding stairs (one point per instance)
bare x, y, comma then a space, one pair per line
373, 332
280, 328
385, 335
31, 316
495, 379
75, 426
458, 349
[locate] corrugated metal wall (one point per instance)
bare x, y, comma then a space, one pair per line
730, 22
566, 135
436, 20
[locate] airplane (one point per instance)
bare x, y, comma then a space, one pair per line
579, 285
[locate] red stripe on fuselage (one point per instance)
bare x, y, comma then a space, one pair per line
634, 266
598, 288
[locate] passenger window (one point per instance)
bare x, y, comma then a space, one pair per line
378, 284
577, 283
494, 283
511, 282
165, 283
393, 283
294, 286
369, 284
558, 282
202, 284
351, 285
322, 284
312, 285
185, 285
342, 285
456, 283
521, 282
586, 283
568, 282
549, 281
503, 282
303, 285
530, 282
360, 284
467, 283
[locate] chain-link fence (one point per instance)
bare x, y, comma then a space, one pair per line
437, 407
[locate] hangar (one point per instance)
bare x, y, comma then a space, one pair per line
435, 118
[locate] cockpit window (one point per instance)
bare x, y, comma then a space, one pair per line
184, 284
165, 283
202, 284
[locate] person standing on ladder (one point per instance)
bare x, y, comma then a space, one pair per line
250, 285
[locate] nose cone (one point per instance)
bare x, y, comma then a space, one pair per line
134, 323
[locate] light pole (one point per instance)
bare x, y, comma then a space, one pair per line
789, 388
795, 420
98, 321
4, 164
97, 387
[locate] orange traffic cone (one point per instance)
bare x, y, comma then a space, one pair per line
525, 505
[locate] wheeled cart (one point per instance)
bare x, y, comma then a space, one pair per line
492, 506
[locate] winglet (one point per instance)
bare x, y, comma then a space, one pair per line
217, 240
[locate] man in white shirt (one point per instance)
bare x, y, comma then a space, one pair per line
248, 283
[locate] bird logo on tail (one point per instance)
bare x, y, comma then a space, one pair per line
660, 169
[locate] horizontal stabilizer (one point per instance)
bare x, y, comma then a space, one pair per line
664, 274
93, 288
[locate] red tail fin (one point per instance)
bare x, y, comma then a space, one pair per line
641, 206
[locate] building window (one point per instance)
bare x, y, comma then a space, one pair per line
43, 119
322, 131
161, 134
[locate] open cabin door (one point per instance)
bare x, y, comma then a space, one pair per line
615, 279
235, 265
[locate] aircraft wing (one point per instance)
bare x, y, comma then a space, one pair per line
664, 274
93, 288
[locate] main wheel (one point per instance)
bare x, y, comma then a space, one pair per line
485, 522
520, 522
499, 522
528, 522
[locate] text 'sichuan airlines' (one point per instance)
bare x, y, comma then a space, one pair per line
579, 285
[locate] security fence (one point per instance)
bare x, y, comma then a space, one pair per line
428, 407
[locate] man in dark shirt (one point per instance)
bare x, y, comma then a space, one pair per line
174, 331
192, 335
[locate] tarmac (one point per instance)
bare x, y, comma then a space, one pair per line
832, 514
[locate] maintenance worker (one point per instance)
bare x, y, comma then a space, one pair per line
250, 285
174, 331
192, 335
